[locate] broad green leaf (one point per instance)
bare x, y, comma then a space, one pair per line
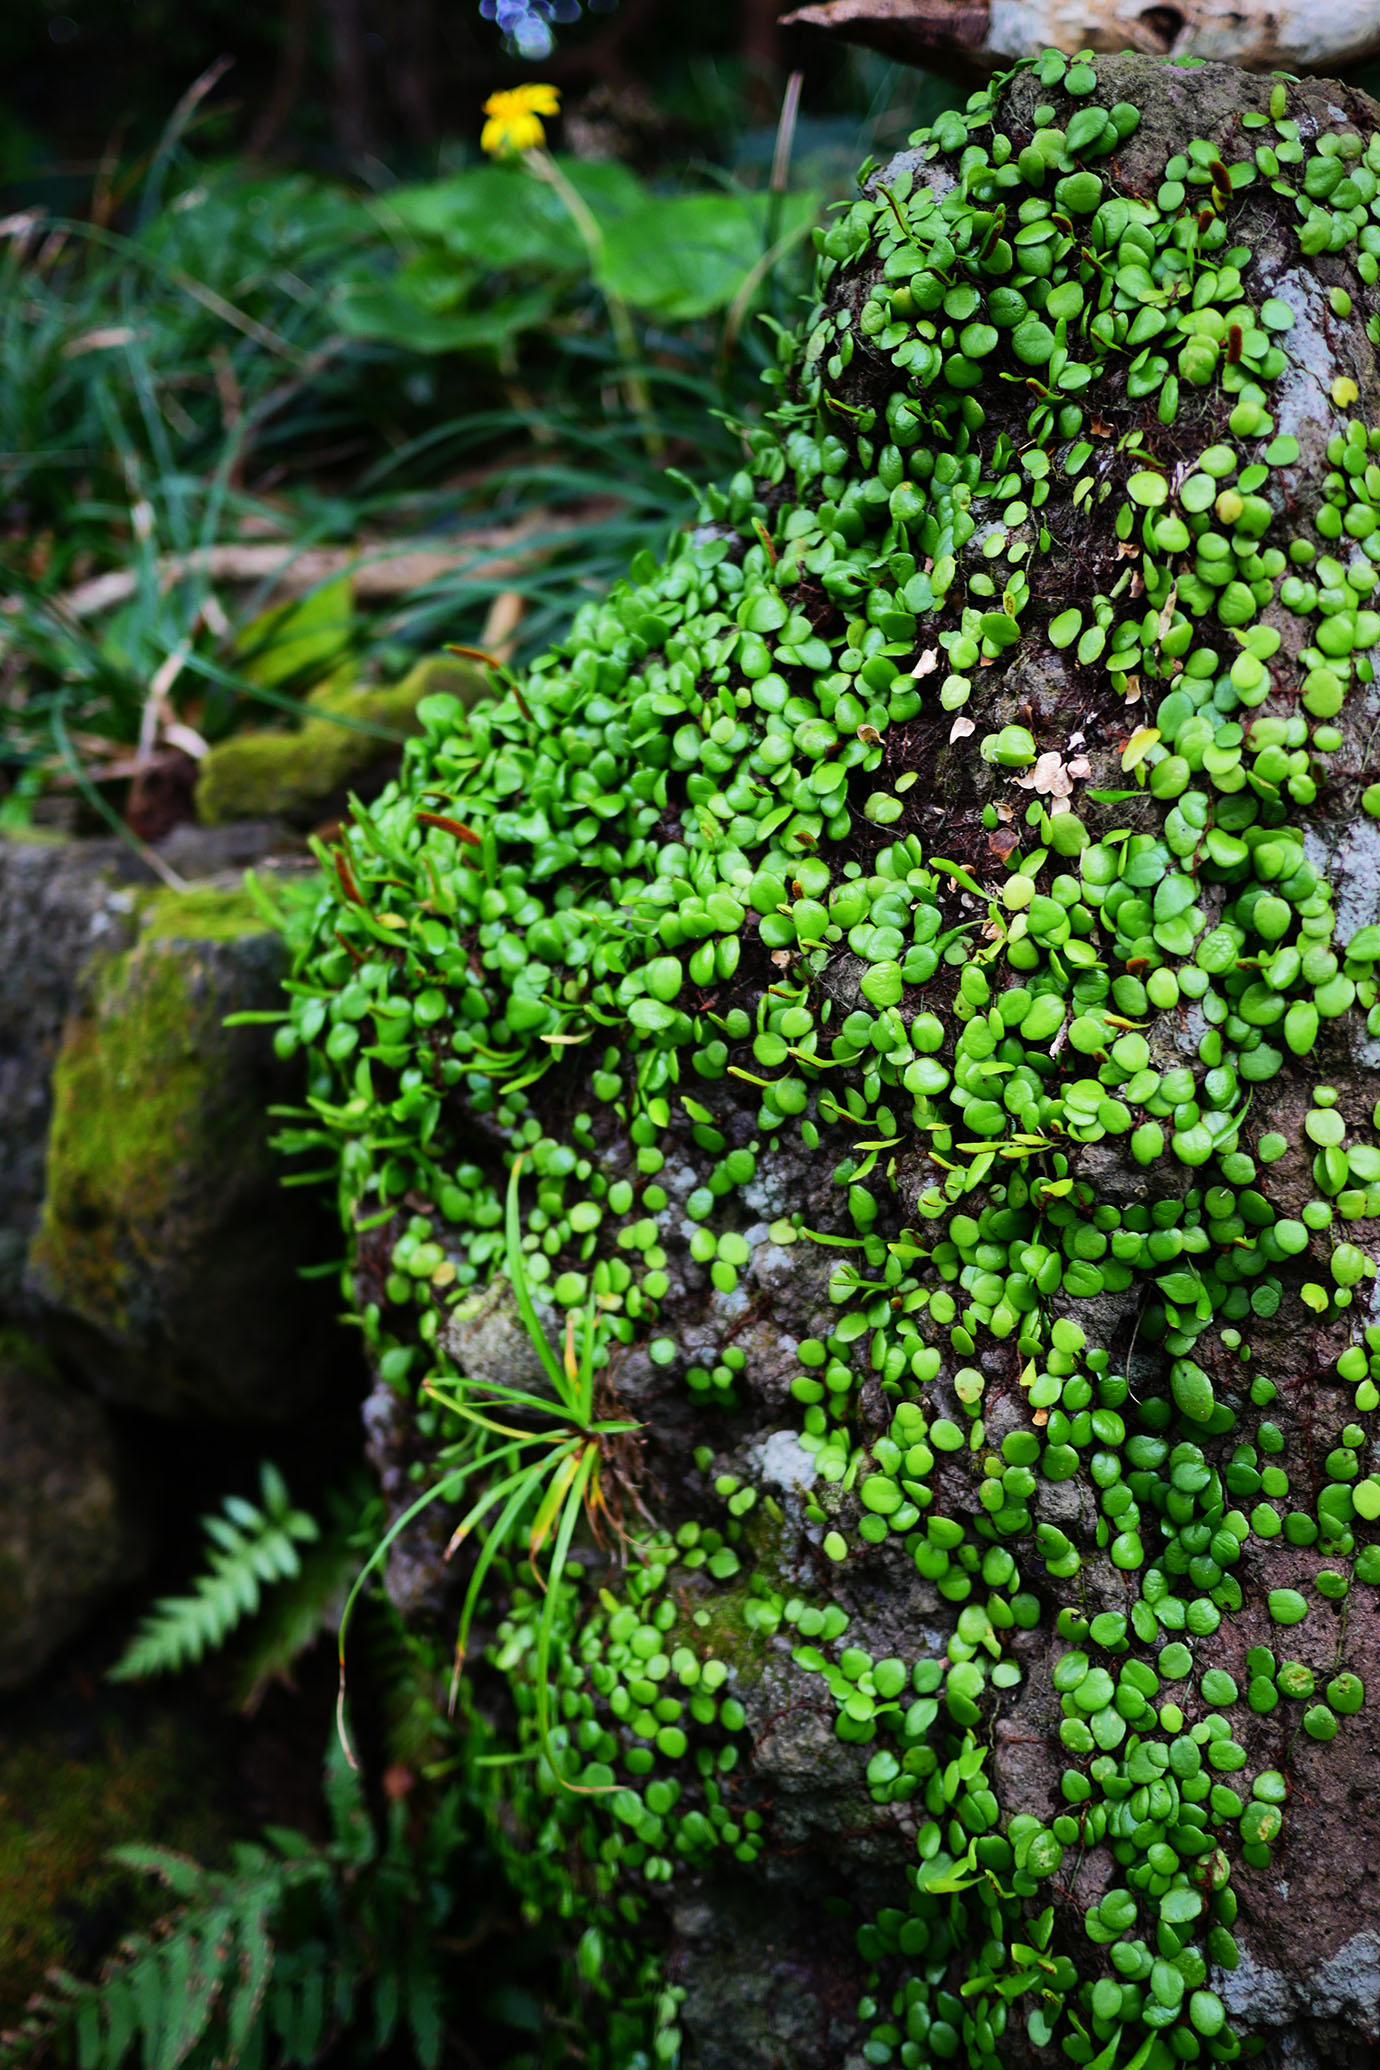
687, 255
391, 311
504, 216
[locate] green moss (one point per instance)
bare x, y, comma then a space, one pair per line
202, 913
272, 773
128, 1114
724, 1634
32, 836
18, 1348
60, 1814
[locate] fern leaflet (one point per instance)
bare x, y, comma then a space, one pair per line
251, 1548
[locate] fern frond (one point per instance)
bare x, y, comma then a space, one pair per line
251, 1548
263, 1965
169, 1993
299, 1610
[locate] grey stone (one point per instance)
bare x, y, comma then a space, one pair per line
490, 1343
781, 1459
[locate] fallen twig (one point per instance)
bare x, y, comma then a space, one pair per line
378, 570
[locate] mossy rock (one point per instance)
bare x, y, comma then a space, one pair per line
67, 1798
907, 969
68, 1532
165, 1255
273, 774
59, 902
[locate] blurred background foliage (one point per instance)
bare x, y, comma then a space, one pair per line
262, 299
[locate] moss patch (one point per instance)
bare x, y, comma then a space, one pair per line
718, 1629
202, 913
128, 1115
270, 774
59, 1817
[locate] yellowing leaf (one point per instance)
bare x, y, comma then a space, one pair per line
1139, 746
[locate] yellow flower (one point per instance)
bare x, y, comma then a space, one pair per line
514, 122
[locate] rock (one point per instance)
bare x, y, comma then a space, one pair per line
195, 853
758, 1983
164, 1258
84, 1769
490, 1343
59, 903
288, 775
972, 37
68, 1532
419, 1581
932, 1284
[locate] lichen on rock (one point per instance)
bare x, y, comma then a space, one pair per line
900, 937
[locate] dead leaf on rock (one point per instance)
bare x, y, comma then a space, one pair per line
961, 728
1052, 778
1048, 776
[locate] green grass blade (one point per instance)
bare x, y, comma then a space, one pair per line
489, 1551
446, 1489
570, 1516
517, 1272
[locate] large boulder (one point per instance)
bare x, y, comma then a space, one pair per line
922, 941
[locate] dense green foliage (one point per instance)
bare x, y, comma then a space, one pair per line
649, 853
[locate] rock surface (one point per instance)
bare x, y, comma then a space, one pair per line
165, 1256
69, 1532
60, 904
345, 731
1235, 1360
